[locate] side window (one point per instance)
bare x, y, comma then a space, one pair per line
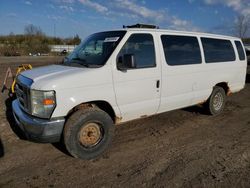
240, 50
218, 50
141, 47
181, 50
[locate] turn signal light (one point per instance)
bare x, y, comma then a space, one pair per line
48, 102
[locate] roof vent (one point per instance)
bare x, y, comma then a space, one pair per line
141, 26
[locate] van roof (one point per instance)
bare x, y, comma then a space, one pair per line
179, 32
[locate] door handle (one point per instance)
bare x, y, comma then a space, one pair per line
157, 83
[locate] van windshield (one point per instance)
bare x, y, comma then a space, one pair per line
95, 50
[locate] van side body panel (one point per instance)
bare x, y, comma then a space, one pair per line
186, 85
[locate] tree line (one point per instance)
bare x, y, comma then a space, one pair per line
33, 41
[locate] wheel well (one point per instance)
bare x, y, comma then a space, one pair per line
224, 85
103, 105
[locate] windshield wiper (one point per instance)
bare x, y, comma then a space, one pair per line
79, 61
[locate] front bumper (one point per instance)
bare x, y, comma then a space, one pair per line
36, 129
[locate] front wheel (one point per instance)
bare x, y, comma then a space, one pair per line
88, 133
216, 101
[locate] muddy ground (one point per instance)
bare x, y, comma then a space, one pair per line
181, 148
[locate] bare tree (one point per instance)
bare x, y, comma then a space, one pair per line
242, 25
32, 30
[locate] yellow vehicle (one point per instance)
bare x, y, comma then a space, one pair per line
9, 74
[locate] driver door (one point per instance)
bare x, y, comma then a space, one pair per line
137, 83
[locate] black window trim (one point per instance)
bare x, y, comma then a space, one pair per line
154, 66
194, 36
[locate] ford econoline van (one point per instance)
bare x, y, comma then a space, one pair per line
116, 76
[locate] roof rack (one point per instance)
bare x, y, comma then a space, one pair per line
141, 26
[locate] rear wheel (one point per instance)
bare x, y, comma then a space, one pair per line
216, 101
88, 133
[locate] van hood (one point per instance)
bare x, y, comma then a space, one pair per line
48, 71
55, 77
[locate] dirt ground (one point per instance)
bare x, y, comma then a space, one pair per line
181, 148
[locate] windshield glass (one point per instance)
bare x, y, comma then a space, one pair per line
95, 50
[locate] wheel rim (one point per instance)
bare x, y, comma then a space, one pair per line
90, 135
218, 101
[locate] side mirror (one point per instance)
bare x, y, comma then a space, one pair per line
127, 61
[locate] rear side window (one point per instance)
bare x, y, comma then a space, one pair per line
218, 50
240, 50
142, 47
181, 50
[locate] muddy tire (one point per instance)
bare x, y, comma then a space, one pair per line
216, 102
88, 133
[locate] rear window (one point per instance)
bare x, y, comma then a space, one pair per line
218, 50
181, 50
240, 50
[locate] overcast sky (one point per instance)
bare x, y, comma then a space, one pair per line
66, 18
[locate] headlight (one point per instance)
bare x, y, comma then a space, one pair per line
43, 103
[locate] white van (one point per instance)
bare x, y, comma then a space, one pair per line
117, 76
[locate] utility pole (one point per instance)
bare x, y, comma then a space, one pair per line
54, 30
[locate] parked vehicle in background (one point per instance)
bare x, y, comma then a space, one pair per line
64, 52
35, 54
117, 76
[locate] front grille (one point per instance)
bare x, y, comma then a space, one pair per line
23, 92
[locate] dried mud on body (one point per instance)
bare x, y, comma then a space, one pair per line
181, 148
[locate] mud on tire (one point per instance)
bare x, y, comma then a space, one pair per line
88, 132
